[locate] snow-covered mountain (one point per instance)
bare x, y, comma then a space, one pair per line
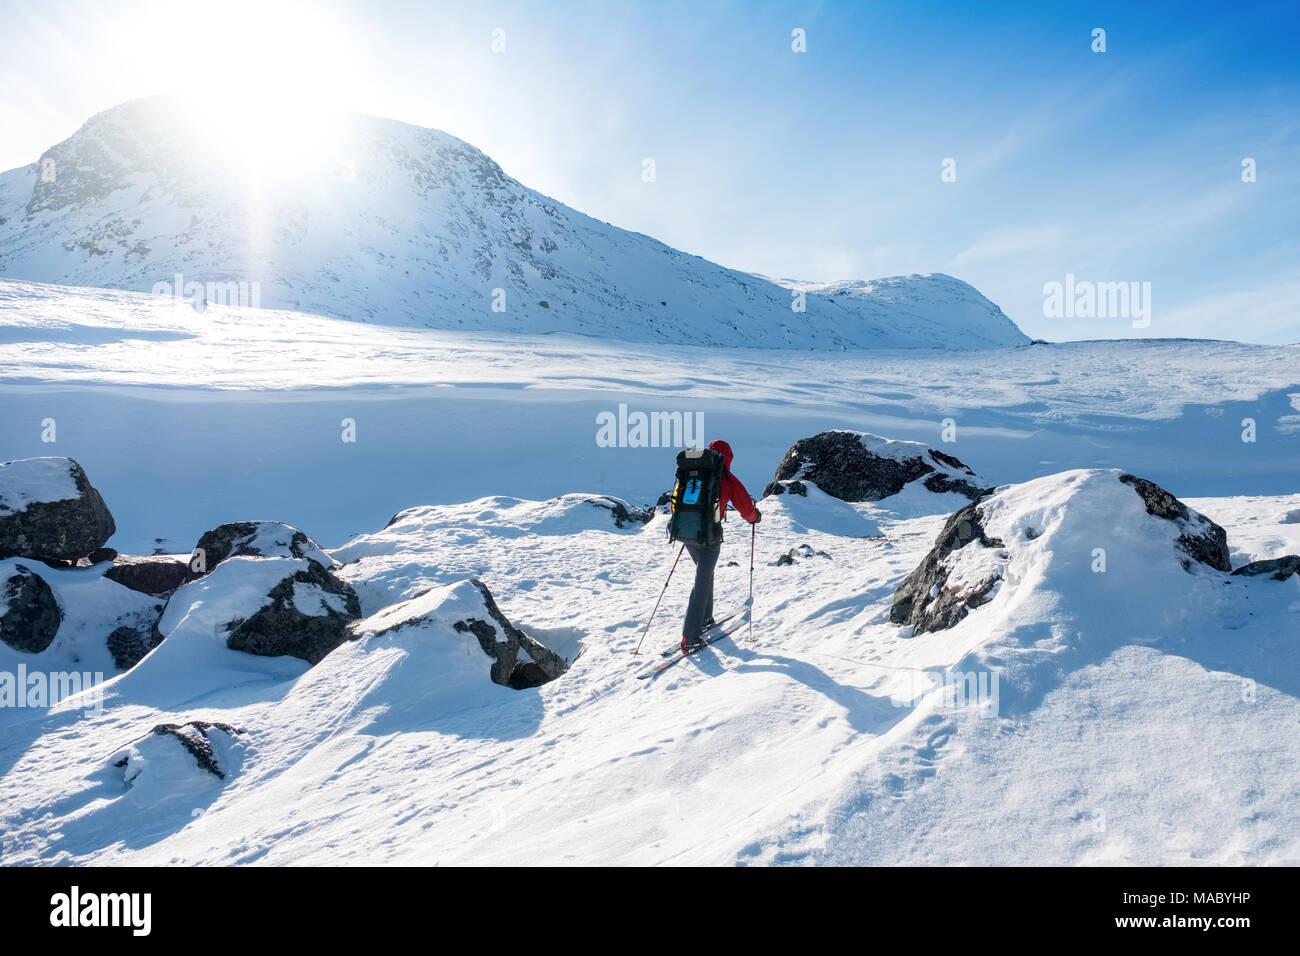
379, 221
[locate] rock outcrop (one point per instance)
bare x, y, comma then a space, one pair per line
1199, 538
201, 739
857, 466
624, 514
968, 561
924, 599
790, 487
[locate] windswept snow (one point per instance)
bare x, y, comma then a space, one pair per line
1144, 714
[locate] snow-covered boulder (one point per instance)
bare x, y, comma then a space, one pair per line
267, 606
796, 554
462, 626
208, 746
71, 619
170, 776
800, 506
1199, 538
29, 612
931, 598
261, 539
157, 574
1083, 519
857, 466
50, 511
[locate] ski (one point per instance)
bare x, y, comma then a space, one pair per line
716, 633
718, 622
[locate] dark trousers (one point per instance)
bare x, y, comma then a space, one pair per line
700, 608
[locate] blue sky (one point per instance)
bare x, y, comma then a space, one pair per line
1122, 166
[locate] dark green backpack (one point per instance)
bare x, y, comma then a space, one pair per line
697, 517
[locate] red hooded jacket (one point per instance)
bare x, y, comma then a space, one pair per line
732, 490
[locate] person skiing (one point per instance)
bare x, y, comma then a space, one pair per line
699, 611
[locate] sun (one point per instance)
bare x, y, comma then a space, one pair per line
263, 84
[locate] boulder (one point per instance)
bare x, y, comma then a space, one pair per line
196, 737
49, 511
1279, 569
261, 539
29, 612
129, 644
924, 599
1064, 519
544, 664
306, 615
157, 575
857, 466
1200, 538
430, 621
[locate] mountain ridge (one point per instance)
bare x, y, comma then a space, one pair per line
381, 221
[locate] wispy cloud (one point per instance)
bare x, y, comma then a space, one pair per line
1008, 243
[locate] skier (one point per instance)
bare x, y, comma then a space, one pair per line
699, 612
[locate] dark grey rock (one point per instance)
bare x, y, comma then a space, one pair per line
239, 539
54, 530
800, 551
32, 614
924, 599
280, 628
793, 487
158, 575
130, 643
194, 736
842, 466
1279, 569
623, 513
544, 664
1200, 538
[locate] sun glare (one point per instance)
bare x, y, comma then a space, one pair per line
263, 84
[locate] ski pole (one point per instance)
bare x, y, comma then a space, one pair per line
637, 652
753, 531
